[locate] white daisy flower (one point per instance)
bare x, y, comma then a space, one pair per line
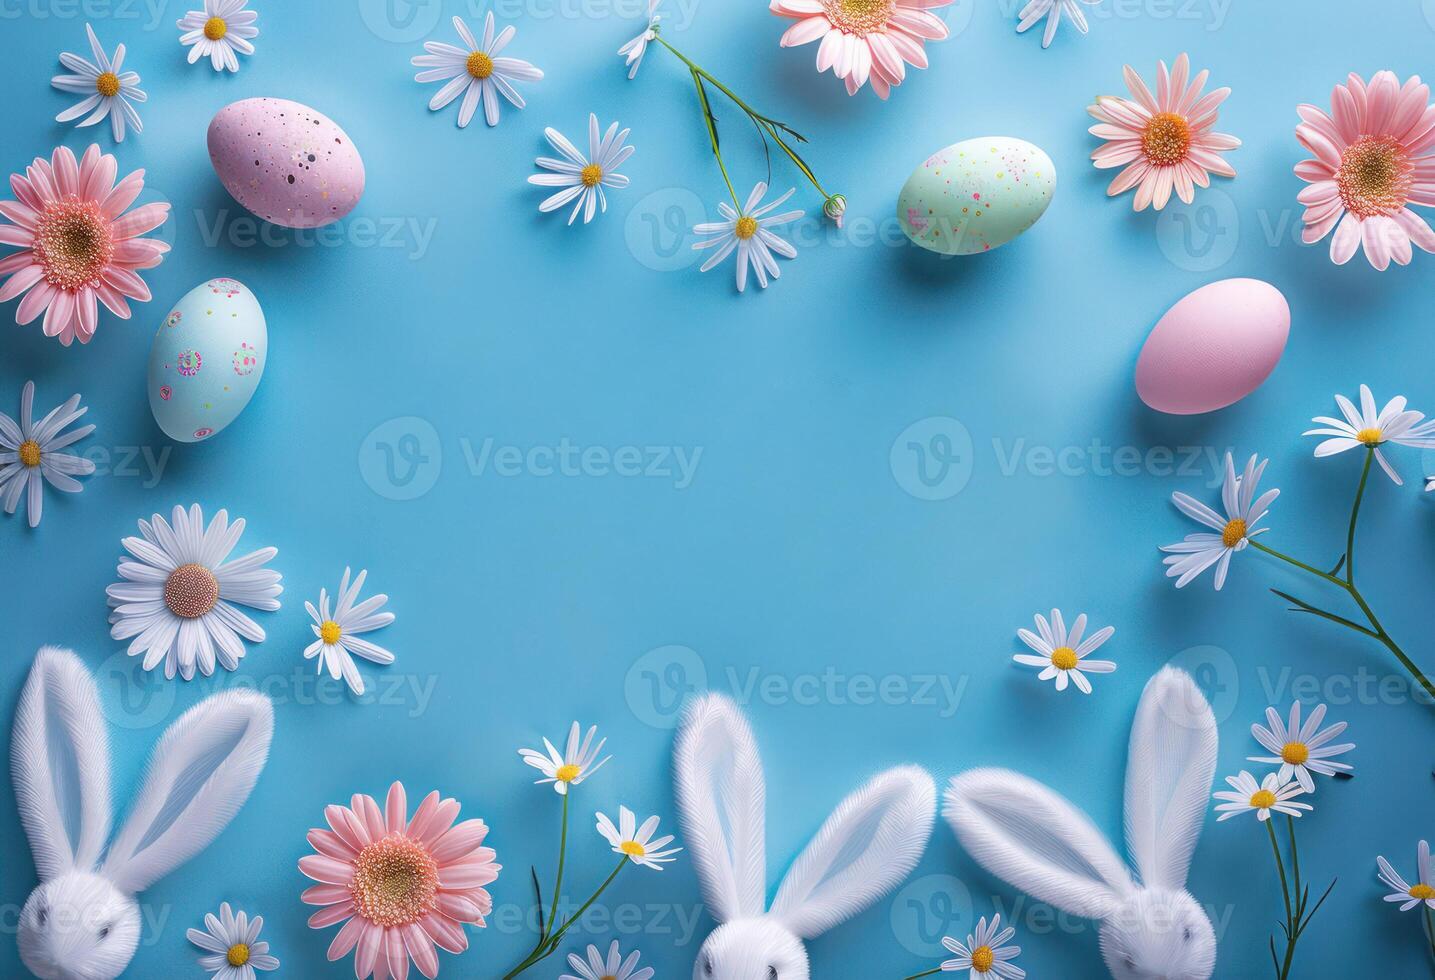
338, 634
1410, 895
233, 945
1371, 429
107, 90
1270, 795
1299, 749
30, 454
1053, 10
1244, 512
638, 46
635, 842
616, 968
583, 178
985, 952
573, 766
475, 73
1063, 654
749, 234
218, 31
179, 595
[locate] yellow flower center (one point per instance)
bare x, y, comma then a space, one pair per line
238, 954
1375, 177
982, 959
215, 28
480, 65
73, 243
632, 848
860, 17
1233, 534
746, 227
1423, 892
568, 773
1166, 139
108, 85
1295, 753
1064, 658
1263, 799
330, 632
395, 882
30, 453
191, 591
591, 175
1371, 437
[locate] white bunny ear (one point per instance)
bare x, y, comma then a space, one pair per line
866, 848
1169, 771
1039, 842
199, 776
60, 758
721, 801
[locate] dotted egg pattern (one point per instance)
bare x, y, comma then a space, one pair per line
246, 359
188, 363
969, 182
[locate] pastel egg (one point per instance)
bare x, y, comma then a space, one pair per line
206, 360
976, 195
1214, 347
287, 163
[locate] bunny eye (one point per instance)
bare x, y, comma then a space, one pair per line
708, 965
42, 915
1186, 934
772, 973
104, 932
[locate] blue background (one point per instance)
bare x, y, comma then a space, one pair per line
798, 554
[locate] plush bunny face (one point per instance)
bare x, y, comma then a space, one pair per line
751, 949
78, 927
1159, 935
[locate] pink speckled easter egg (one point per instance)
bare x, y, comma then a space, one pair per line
286, 162
1214, 347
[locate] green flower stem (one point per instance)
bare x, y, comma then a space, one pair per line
1376, 630
929, 973
558, 884
547, 947
764, 123
1429, 930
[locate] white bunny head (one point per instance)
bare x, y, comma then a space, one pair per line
866, 848
1023, 832
83, 922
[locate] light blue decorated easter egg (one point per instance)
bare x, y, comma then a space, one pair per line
976, 195
206, 360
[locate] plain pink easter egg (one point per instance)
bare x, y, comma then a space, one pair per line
1214, 347
287, 163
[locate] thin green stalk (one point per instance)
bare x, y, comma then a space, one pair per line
929, 973
1284, 972
567, 924
1429, 931
1354, 514
768, 125
557, 885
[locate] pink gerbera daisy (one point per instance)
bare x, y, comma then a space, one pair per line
1164, 141
404, 886
1371, 162
79, 246
864, 39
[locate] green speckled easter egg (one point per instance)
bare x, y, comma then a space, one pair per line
976, 195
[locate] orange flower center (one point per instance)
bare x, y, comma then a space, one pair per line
73, 243
591, 175
1166, 139
982, 959
1375, 176
860, 17
480, 65
30, 453
215, 28
1371, 437
1064, 658
191, 591
1295, 753
746, 227
1422, 892
1234, 533
1263, 799
108, 85
395, 882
